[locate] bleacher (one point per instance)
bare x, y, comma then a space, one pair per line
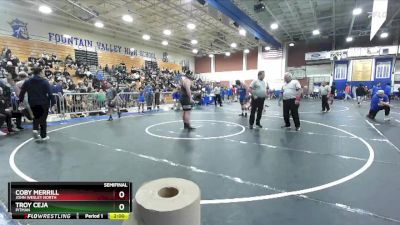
23, 49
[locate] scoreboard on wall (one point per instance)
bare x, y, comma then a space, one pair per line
70, 200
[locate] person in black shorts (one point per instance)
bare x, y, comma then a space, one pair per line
157, 95
333, 92
186, 101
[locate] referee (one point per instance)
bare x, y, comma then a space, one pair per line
290, 94
258, 90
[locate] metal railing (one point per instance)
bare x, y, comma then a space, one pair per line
83, 103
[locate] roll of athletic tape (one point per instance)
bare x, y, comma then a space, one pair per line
168, 201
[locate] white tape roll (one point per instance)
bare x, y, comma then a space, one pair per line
168, 201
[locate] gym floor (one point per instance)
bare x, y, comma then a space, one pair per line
339, 169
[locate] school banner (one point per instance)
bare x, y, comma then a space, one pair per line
362, 70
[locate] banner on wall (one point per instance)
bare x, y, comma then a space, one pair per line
98, 45
317, 55
378, 15
340, 71
383, 69
372, 51
273, 53
354, 52
20, 29
362, 70
338, 54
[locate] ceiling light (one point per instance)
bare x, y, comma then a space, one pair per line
233, 45
146, 37
291, 44
45, 9
195, 51
384, 35
316, 32
242, 32
227, 53
164, 43
191, 26
194, 42
357, 11
99, 24
210, 55
132, 49
274, 26
246, 51
69, 36
267, 48
127, 18
349, 39
167, 32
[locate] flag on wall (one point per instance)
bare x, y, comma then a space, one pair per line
272, 53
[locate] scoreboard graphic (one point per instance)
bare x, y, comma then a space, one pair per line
70, 200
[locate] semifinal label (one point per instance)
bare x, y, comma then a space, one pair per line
69, 200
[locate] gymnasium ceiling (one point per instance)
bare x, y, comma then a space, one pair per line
214, 31
298, 18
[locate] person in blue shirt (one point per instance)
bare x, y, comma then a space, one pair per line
388, 90
141, 100
176, 95
379, 102
376, 88
208, 89
100, 75
149, 97
223, 92
230, 94
243, 97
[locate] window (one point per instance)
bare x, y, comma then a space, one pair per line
340, 72
382, 70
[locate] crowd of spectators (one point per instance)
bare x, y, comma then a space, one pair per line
73, 76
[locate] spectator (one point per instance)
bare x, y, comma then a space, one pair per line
333, 92
376, 88
47, 72
6, 53
347, 91
22, 77
6, 114
360, 93
149, 96
388, 90
68, 60
11, 69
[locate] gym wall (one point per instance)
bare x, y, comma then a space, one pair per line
44, 30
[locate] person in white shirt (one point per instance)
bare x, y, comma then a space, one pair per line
325, 90
217, 93
258, 90
290, 93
